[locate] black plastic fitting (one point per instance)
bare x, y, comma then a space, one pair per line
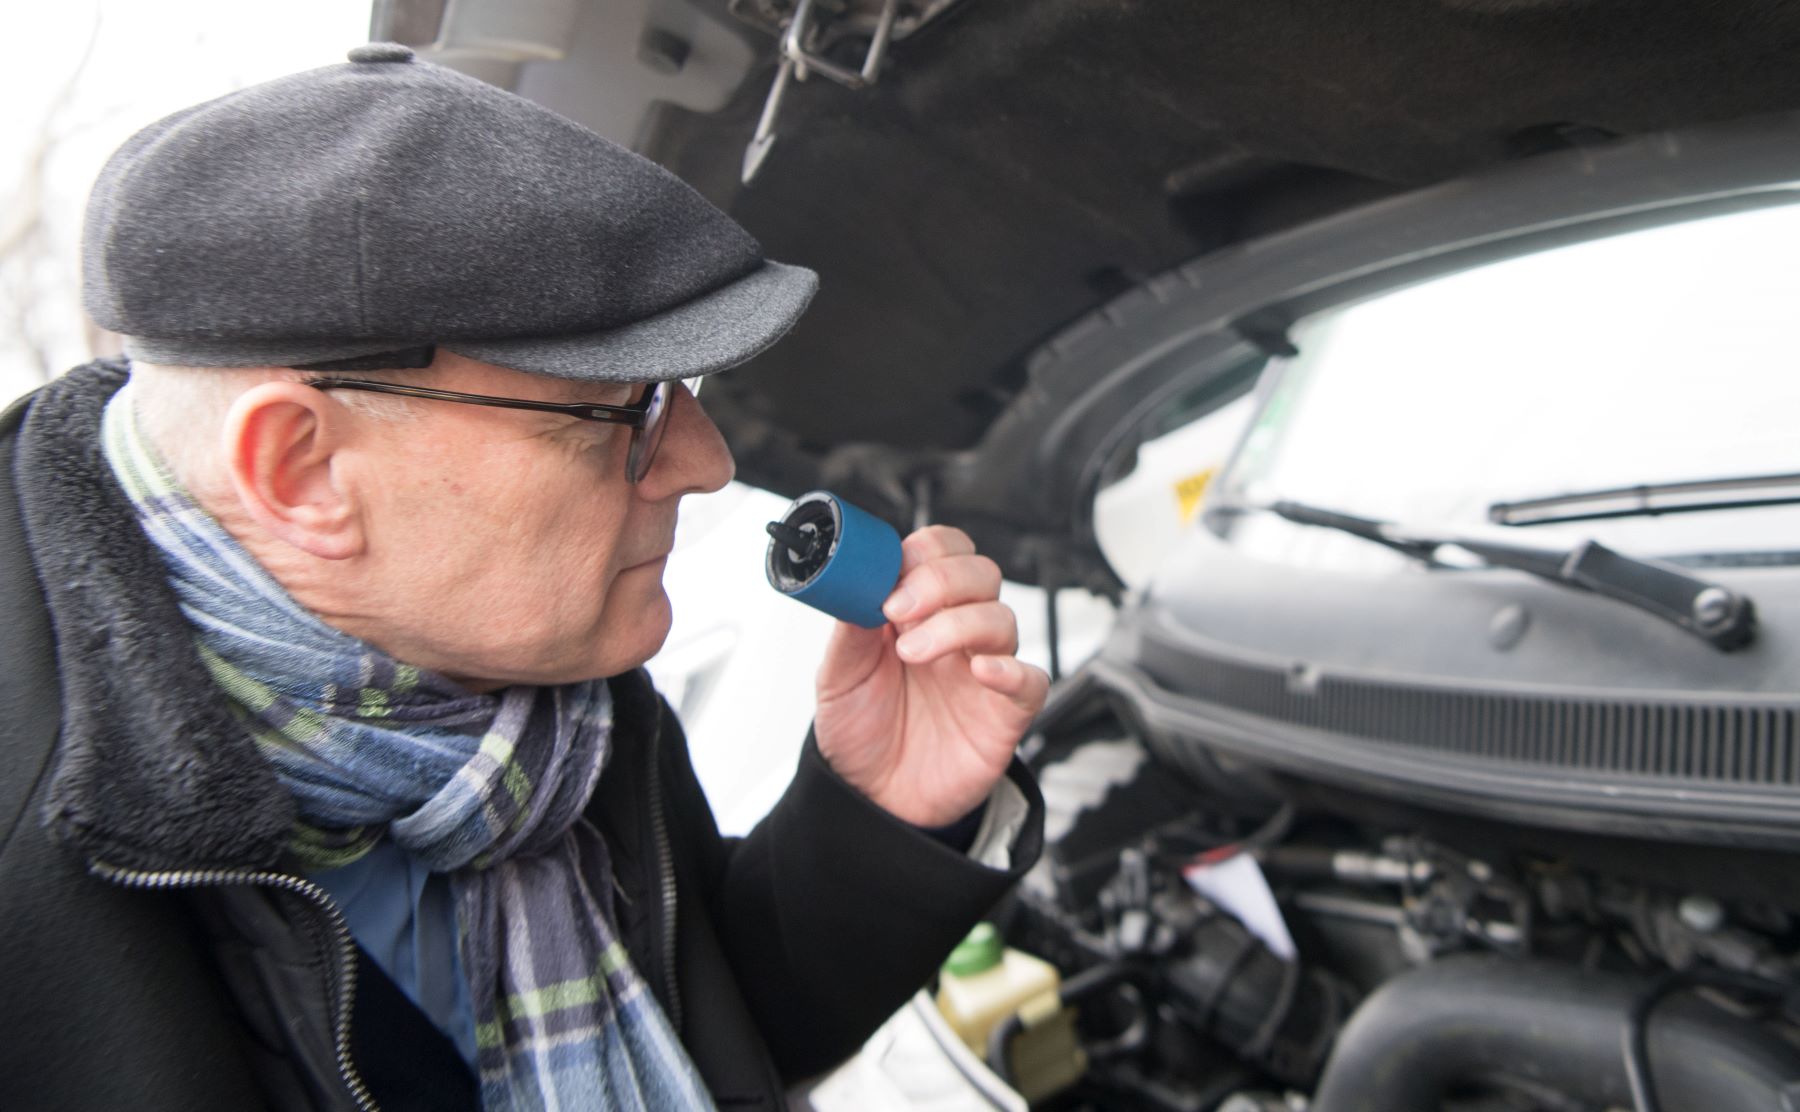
1462, 1020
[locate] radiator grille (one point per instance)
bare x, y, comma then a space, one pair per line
1696, 740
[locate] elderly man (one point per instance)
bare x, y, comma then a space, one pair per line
333, 779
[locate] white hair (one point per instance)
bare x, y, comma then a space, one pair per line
181, 411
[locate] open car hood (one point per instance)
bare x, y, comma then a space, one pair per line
1006, 220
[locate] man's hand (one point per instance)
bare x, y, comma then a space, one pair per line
923, 714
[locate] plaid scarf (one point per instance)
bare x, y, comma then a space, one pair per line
486, 788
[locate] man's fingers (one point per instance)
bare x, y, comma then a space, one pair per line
982, 627
1025, 685
942, 582
851, 656
934, 542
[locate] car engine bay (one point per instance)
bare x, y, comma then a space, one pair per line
1438, 961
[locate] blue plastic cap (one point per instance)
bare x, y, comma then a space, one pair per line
850, 566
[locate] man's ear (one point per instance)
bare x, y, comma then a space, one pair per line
280, 442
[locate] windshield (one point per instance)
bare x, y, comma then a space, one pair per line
1655, 356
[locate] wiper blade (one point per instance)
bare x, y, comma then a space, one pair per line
1650, 500
1723, 618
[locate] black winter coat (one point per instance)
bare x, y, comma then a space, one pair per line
158, 952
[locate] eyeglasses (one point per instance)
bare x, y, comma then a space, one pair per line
647, 416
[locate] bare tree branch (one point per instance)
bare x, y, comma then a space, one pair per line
27, 255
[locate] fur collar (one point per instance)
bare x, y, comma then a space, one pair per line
153, 771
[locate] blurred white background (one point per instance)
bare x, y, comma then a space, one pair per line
81, 76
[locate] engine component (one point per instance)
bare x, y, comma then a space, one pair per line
1198, 975
1471, 1019
985, 981
1259, 1102
1346, 865
1224, 982
1036, 1049
1447, 900
1503, 970
1688, 931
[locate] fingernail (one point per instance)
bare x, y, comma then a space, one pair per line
914, 645
899, 605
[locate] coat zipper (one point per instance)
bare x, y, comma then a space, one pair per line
665, 873
344, 968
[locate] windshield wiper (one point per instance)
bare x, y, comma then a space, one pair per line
1717, 615
1650, 500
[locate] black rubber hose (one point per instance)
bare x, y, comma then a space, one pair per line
1089, 982
1470, 1019
1637, 1022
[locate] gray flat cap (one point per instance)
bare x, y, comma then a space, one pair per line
389, 203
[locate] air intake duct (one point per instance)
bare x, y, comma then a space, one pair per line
1467, 1020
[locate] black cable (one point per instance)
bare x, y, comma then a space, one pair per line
1271, 831
1637, 1041
998, 1040
1129, 975
1637, 1022
1264, 1038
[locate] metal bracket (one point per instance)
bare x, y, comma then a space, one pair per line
798, 61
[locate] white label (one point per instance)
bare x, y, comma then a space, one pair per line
1237, 886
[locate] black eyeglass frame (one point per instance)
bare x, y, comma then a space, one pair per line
645, 417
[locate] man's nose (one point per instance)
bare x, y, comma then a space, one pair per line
692, 458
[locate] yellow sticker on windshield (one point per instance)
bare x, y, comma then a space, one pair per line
1189, 492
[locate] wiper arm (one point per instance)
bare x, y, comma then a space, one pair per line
1650, 500
1723, 618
